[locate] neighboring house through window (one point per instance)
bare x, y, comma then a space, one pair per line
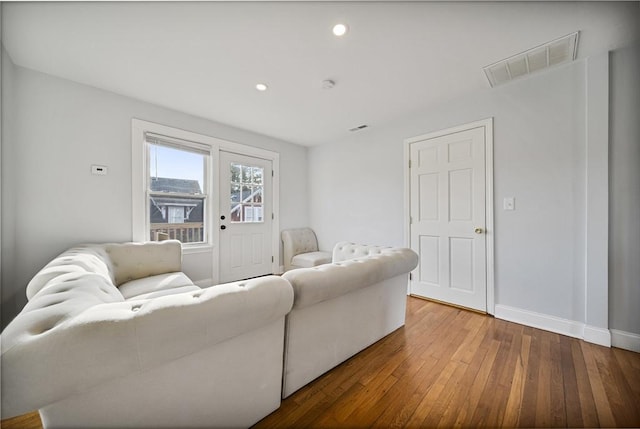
176, 188
247, 189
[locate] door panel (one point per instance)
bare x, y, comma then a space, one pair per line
246, 225
447, 203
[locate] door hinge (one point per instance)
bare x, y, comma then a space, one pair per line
272, 259
409, 163
272, 173
273, 216
410, 220
410, 276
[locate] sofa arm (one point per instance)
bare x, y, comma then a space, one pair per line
324, 282
117, 339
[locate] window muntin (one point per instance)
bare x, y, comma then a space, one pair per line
177, 193
247, 190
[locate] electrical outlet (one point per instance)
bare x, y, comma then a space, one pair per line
509, 203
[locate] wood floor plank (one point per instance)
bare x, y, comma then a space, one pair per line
543, 400
603, 407
514, 403
625, 410
398, 404
630, 366
530, 394
427, 414
451, 368
505, 374
26, 421
569, 379
478, 388
587, 400
463, 400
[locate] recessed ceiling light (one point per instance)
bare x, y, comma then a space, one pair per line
262, 87
328, 84
340, 29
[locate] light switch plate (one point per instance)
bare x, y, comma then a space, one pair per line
509, 203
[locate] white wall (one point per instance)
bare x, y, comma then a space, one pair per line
624, 208
8, 198
60, 129
540, 159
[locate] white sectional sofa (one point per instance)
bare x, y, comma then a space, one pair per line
115, 335
342, 307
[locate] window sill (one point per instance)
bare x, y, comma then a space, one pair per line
196, 248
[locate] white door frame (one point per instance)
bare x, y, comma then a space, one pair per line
488, 134
138, 233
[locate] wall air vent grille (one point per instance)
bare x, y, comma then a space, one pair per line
559, 51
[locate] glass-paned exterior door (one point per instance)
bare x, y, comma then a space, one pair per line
245, 217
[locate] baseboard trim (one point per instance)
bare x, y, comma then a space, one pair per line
540, 321
570, 328
595, 335
625, 340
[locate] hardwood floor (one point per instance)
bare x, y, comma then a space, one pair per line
453, 368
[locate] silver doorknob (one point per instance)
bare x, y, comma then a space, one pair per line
478, 230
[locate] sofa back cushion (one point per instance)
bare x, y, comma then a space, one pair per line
161, 284
345, 250
132, 261
328, 281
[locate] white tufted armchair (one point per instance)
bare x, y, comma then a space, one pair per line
300, 249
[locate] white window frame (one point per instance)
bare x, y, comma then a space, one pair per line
180, 140
139, 167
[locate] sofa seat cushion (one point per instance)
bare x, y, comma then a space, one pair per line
165, 292
311, 259
153, 284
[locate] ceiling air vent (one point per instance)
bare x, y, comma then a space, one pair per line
559, 51
358, 128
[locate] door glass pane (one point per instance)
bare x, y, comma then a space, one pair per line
246, 193
257, 175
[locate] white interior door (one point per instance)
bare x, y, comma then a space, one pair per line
448, 219
246, 224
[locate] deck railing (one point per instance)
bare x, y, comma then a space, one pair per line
190, 232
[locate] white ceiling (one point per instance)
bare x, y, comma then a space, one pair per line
204, 58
